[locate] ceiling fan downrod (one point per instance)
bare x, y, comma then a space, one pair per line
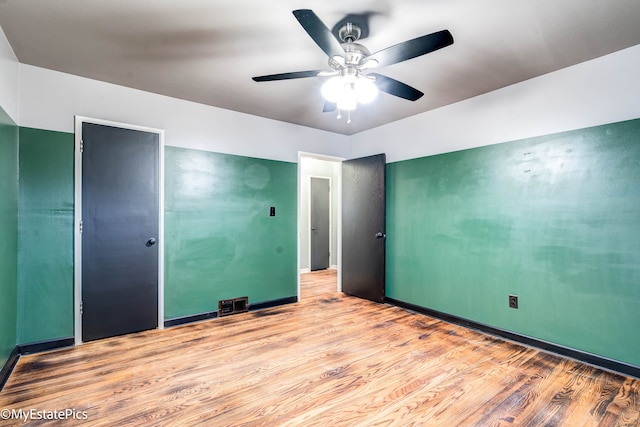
349, 33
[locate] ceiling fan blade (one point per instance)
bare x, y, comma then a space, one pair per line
319, 32
413, 48
396, 88
287, 76
329, 106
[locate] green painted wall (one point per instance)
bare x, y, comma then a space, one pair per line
8, 235
219, 239
553, 219
45, 242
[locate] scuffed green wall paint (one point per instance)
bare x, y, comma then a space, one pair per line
45, 236
8, 235
220, 241
554, 220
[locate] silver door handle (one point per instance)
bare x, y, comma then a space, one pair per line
380, 235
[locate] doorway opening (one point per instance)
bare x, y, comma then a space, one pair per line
319, 225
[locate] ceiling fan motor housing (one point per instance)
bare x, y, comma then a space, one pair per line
354, 53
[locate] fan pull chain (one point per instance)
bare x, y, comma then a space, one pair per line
339, 116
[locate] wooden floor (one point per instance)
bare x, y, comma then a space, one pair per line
330, 360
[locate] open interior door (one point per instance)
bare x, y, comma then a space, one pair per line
363, 225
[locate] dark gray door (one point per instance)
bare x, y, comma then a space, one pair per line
119, 231
319, 215
363, 225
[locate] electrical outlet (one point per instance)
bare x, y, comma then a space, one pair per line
513, 301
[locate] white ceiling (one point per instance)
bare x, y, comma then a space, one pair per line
207, 51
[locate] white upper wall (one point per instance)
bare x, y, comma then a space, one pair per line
600, 91
50, 100
604, 90
9, 79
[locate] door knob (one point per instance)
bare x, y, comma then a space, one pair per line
380, 235
151, 241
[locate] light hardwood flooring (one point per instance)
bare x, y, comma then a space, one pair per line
330, 360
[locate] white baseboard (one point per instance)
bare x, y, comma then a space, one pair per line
333, 267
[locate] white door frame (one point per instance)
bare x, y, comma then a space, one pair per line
77, 247
338, 187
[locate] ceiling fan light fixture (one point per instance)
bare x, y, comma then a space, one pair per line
366, 90
349, 90
332, 89
348, 98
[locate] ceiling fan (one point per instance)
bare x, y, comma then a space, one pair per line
350, 63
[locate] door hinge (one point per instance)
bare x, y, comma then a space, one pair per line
80, 226
81, 146
81, 308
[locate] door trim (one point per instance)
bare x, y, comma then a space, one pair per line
77, 246
338, 188
309, 216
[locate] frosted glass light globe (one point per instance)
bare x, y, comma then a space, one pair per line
332, 89
366, 90
348, 99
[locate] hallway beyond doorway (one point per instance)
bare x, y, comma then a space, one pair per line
318, 284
